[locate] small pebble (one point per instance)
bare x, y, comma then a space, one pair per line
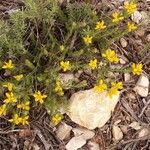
148, 38
117, 133
123, 42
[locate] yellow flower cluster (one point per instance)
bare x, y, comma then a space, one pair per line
8, 65
18, 77
62, 48
65, 65
39, 97
114, 88
130, 7
87, 39
100, 25
117, 17
100, 87
110, 55
131, 26
24, 106
19, 120
93, 64
59, 88
57, 118
10, 98
137, 68
9, 86
3, 110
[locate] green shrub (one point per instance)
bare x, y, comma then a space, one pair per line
44, 39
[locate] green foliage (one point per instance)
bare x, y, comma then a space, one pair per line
44, 33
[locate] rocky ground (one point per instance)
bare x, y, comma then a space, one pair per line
129, 125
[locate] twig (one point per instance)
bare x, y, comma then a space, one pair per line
10, 131
45, 143
127, 107
144, 108
129, 141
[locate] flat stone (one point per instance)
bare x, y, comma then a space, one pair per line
90, 109
63, 131
75, 143
135, 125
117, 133
86, 134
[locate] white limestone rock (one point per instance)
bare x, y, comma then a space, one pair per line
136, 17
90, 109
142, 85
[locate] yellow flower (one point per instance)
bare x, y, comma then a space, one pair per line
136, 68
9, 86
24, 106
18, 77
24, 120
39, 97
57, 118
114, 88
65, 65
16, 119
112, 91
58, 88
117, 17
110, 55
62, 48
10, 98
3, 109
8, 65
130, 7
93, 64
131, 26
100, 25
100, 87
87, 39
118, 85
